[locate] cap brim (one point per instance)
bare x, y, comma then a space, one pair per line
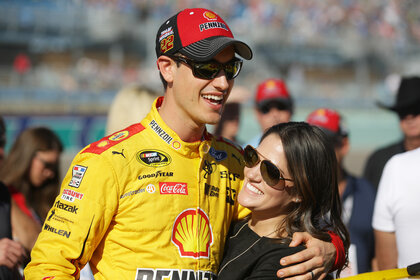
287, 102
383, 106
208, 48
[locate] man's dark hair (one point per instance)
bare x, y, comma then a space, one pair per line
164, 82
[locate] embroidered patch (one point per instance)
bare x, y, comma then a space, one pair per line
78, 172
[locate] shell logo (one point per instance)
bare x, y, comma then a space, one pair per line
270, 84
192, 234
102, 144
209, 15
176, 145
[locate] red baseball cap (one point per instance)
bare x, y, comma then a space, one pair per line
327, 119
273, 90
199, 34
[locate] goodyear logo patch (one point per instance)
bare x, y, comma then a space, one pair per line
153, 158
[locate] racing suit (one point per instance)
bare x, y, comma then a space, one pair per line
142, 204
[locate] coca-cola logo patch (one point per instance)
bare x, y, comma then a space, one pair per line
153, 158
173, 188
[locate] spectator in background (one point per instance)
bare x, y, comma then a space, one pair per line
407, 107
130, 105
229, 124
12, 253
30, 172
357, 194
273, 105
395, 218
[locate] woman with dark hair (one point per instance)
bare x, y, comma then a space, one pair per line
290, 186
30, 172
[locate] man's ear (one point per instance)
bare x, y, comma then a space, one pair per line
165, 65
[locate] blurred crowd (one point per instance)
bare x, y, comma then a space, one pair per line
61, 40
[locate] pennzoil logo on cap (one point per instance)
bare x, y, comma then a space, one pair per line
153, 158
192, 234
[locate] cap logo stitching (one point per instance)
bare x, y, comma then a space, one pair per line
166, 40
212, 25
209, 15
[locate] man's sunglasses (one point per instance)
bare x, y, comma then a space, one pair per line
269, 172
209, 70
281, 106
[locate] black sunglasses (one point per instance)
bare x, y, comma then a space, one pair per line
269, 172
209, 70
52, 166
274, 104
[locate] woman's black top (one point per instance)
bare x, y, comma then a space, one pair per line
249, 256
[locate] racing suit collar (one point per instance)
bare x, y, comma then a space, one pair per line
164, 133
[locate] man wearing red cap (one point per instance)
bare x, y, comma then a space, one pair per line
155, 200
357, 194
273, 105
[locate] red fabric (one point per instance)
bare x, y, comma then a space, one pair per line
339, 247
197, 24
20, 200
271, 89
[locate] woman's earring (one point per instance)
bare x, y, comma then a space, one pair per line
297, 200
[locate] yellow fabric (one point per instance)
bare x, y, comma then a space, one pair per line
146, 204
390, 274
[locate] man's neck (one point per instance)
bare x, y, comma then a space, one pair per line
183, 126
411, 143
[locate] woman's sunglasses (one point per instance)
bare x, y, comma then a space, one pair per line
269, 172
209, 70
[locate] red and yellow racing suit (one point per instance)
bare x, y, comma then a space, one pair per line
142, 204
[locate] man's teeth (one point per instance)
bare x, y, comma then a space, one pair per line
213, 97
253, 189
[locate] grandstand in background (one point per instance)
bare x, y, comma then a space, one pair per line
67, 59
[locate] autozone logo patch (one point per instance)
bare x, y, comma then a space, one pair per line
69, 208
153, 158
173, 188
71, 195
78, 172
172, 274
192, 234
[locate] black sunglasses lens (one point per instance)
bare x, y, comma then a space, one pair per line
270, 174
277, 105
232, 69
206, 70
250, 156
209, 70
